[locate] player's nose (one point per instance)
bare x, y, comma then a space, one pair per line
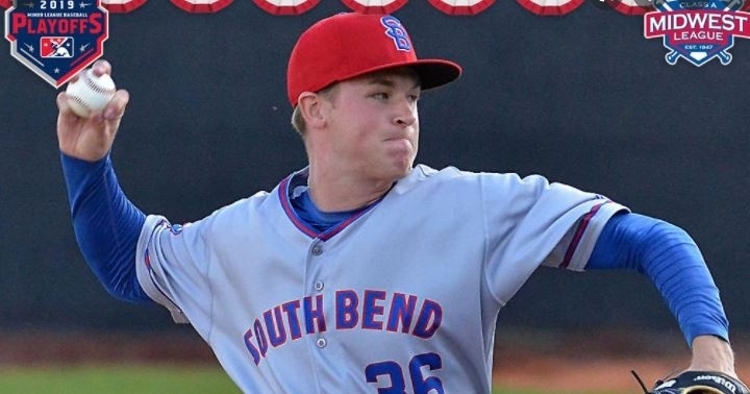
405, 113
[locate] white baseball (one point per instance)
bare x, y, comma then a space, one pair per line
90, 93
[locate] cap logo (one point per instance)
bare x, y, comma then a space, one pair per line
396, 31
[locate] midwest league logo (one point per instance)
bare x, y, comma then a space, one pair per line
56, 38
697, 31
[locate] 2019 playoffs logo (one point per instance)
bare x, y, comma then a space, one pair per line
56, 38
697, 31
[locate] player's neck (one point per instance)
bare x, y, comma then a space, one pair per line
336, 193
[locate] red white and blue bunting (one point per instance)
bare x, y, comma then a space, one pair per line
461, 7
122, 6
631, 7
374, 6
286, 7
197, 6
550, 7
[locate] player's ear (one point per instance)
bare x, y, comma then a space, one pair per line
309, 105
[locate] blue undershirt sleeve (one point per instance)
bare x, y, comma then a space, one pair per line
669, 256
106, 224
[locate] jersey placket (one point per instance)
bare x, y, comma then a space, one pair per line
318, 316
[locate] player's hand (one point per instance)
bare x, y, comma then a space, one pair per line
90, 138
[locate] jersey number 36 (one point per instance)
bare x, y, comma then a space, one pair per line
394, 371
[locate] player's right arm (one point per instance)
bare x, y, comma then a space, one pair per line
90, 139
107, 225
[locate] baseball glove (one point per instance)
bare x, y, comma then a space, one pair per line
697, 382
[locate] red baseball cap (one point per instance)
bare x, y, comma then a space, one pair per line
349, 45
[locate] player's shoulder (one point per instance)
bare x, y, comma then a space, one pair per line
240, 208
451, 181
453, 175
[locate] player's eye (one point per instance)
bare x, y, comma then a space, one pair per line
381, 96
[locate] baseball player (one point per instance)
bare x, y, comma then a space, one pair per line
363, 272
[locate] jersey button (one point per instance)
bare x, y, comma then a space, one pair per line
319, 286
317, 250
321, 343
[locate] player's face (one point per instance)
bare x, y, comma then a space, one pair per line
374, 123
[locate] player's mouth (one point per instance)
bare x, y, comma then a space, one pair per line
399, 143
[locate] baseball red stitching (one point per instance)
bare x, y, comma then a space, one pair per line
81, 103
90, 83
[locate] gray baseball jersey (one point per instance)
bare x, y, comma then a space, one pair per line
403, 297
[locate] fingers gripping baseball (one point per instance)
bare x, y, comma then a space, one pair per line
89, 137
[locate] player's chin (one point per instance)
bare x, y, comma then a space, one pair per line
399, 159
401, 168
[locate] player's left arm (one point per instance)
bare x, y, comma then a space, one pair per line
672, 260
